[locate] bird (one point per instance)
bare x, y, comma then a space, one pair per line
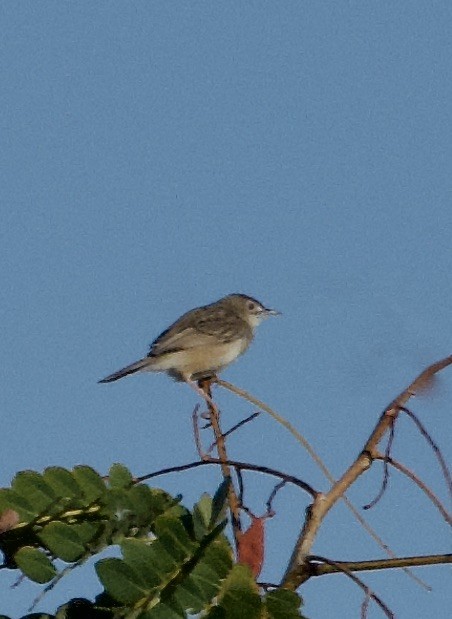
203, 341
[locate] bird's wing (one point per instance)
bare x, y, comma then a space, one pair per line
196, 329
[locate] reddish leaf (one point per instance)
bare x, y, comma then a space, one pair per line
8, 519
251, 545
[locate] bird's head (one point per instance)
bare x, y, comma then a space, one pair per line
250, 309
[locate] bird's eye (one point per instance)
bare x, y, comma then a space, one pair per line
251, 306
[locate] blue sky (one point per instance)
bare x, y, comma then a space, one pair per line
158, 155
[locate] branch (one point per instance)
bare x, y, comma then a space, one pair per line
298, 569
433, 445
320, 569
384, 483
197, 438
343, 567
244, 466
301, 439
234, 428
411, 475
308, 447
234, 505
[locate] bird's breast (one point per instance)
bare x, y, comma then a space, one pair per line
202, 359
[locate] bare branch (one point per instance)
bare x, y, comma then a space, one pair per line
244, 466
238, 472
342, 567
234, 505
320, 569
234, 428
298, 571
271, 498
384, 483
411, 475
197, 438
433, 445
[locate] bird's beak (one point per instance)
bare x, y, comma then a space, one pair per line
272, 312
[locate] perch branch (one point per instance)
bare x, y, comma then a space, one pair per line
234, 505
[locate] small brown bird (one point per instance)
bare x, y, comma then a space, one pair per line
203, 341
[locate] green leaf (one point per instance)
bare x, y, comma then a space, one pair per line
140, 555
35, 564
143, 504
121, 581
118, 502
87, 532
148, 503
62, 541
190, 596
213, 567
165, 563
283, 604
62, 482
173, 537
202, 513
162, 502
239, 595
219, 502
31, 486
152, 561
90, 482
201, 577
11, 500
120, 476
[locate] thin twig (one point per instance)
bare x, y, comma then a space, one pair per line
365, 606
367, 590
321, 569
433, 445
234, 428
266, 586
55, 580
198, 444
384, 483
299, 437
238, 472
244, 466
411, 475
274, 492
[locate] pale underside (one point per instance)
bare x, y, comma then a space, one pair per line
199, 361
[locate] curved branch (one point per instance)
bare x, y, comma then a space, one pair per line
244, 466
385, 480
433, 445
406, 471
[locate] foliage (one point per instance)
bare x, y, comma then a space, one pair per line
174, 563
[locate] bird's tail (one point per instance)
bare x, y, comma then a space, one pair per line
129, 369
